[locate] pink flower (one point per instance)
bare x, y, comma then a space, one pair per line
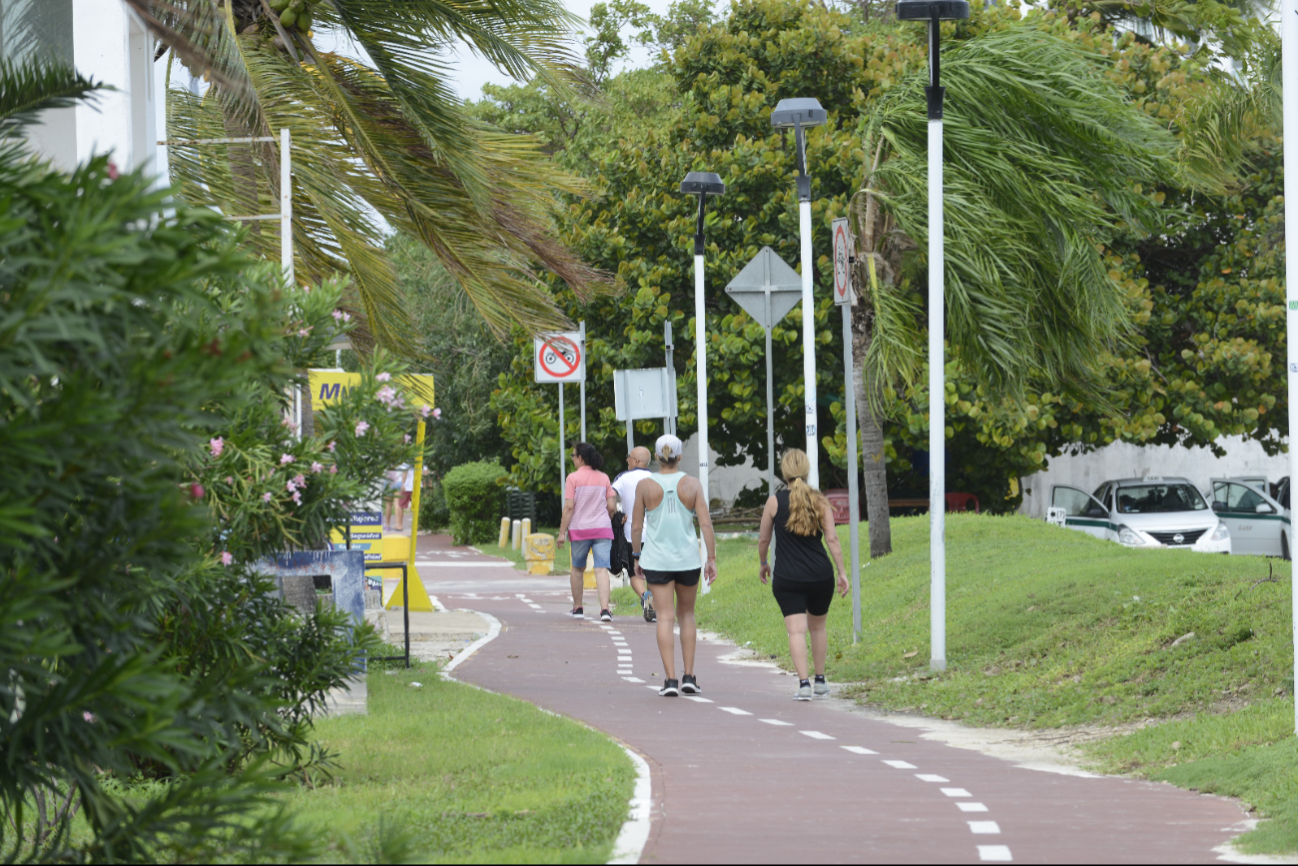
291, 486
386, 396
333, 470
229, 479
406, 438
338, 315
299, 480
226, 558
90, 717
266, 497
285, 459
304, 332
288, 422
425, 410
217, 445
113, 174
437, 413
297, 497
361, 427
197, 491
384, 377
331, 446
316, 467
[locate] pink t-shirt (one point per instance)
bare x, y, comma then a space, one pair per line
589, 490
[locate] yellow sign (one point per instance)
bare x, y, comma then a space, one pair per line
328, 385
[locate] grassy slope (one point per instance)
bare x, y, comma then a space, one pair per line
450, 773
1049, 627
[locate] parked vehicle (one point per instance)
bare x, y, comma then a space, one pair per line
1145, 513
1259, 524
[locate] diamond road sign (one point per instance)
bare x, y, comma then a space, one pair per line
767, 288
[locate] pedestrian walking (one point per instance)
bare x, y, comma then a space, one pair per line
802, 521
588, 506
392, 489
637, 470
667, 557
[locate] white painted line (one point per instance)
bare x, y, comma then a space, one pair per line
623, 653
859, 750
631, 840
535, 606
929, 777
984, 827
493, 629
734, 711
956, 792
972, 807
901, 765
651, 687
614, 631
633, 679
501, 564
995, 854
816, 735
617, 641
777, 723
697, 699
520, 595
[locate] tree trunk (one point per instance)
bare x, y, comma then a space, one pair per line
873, 456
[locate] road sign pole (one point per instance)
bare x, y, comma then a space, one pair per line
581, 327
563, 456
670, 350
770, 405
936, 366
1289, 65
809, 343
701, 362
844, 298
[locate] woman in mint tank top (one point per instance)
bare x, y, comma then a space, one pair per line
666, 553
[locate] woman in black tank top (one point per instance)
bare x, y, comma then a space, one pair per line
802, 522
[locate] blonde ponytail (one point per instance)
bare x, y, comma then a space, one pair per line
806, 504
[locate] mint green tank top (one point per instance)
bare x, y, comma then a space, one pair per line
669, 540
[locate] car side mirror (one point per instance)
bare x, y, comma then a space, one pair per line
1096, 511
1218, 506
1263, 508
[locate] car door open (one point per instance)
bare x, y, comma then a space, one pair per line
1083, 511
1253, 521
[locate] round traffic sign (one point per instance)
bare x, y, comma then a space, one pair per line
559, 356
842, 277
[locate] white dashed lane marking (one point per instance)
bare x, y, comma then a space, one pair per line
776, 722
901, 765
535, 606
734, 711
633, 679
697, 699
984, 827
956, 792
816, 735
972, 807
995, 854
859, 750
929, 777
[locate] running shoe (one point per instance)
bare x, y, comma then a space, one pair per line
578, 613
670, 689
605, 616
647, 601
804, 691
820, 688
690, 686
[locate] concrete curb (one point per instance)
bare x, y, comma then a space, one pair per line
493, 629
630, 842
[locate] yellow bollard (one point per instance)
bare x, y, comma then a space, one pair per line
588, 576
538, 552
516, 538
504, 532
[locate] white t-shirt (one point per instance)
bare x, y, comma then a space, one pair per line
408, 485
625, 486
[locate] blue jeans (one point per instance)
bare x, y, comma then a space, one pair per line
581, 549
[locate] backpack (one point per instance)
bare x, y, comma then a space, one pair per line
619, 558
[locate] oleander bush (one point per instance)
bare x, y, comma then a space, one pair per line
475, 496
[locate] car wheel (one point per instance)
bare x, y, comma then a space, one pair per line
1284, 547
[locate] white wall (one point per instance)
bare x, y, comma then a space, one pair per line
1123, 460
725, 482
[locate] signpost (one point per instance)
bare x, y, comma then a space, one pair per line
843, 297
560, 358
1289, 64
639, 394
767, 289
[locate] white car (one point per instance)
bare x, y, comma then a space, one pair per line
1259, 524
1144, 513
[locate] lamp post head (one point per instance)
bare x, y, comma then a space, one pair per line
804, 113
703, 183
927, 10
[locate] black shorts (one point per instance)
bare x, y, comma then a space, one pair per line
689, 577
795, 596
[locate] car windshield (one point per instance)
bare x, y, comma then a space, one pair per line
1159, 499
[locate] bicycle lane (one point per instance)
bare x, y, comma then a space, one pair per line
744, 773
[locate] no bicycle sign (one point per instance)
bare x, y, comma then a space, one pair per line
559, 357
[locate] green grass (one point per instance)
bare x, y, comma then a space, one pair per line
1049, 627
447, 773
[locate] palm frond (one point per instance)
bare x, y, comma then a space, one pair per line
27, 88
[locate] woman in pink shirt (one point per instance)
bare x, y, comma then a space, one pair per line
588, 508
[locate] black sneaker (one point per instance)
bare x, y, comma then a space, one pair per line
647, 601
605, 616
690, 686
577, 613
670, 689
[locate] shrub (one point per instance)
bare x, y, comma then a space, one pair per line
433, 511
475, 495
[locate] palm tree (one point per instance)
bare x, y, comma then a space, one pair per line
33, 86
1042, 154
384, 134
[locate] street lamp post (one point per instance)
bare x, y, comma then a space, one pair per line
702, 184
934, 12
799, 115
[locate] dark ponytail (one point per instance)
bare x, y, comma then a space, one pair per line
589, 455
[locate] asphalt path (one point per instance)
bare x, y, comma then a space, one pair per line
743, 773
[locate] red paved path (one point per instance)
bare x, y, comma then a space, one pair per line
784, 781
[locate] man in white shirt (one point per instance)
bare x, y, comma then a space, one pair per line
637, 469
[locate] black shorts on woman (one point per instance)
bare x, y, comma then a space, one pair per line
689, 577
803, 575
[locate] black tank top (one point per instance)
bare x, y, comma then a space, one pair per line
799, 558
